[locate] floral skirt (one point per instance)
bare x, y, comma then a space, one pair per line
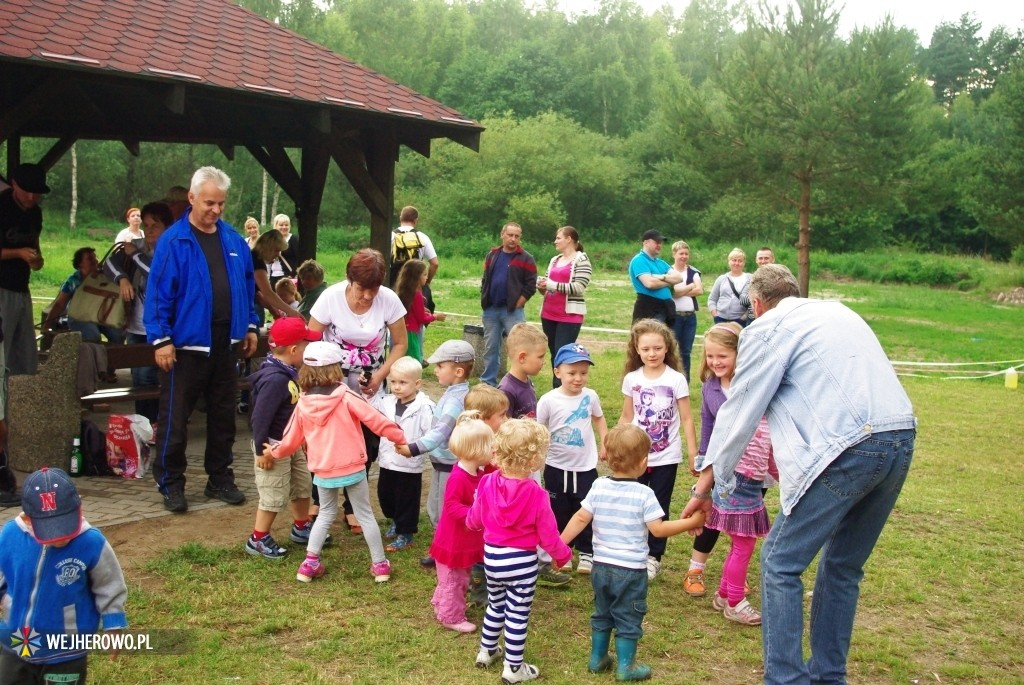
742, 512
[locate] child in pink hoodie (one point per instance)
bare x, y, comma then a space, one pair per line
514, 512
328, 418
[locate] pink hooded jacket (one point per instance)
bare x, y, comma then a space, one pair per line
516, 512
329, 423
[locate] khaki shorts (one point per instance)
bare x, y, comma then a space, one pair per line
288, 481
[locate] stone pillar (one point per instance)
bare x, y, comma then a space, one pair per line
43, 410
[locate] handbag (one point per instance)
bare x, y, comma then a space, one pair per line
98, 299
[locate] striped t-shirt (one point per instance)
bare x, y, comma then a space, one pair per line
621, 509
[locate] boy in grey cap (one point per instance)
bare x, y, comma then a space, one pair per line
453, 362
81, 579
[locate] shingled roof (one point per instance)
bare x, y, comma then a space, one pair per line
207, 44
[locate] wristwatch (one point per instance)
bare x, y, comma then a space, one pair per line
699, 495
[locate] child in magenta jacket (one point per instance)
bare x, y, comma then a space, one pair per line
514, 512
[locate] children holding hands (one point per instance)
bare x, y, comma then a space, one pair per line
328, 417
453, 362
622, 512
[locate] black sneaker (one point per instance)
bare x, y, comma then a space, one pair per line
175, 501
229, 493
427, 562
10, 498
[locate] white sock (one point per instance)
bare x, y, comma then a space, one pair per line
696, 565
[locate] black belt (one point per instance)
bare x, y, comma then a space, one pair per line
678, 313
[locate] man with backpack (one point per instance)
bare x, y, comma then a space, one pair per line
408, 243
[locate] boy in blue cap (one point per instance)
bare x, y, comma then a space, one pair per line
54, 565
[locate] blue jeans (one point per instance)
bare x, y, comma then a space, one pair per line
620, 600
841, 514
685, 328
498, 321
91, 332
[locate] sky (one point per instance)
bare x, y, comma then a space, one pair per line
920, 15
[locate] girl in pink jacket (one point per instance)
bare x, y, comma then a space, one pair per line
514, 512
328, 417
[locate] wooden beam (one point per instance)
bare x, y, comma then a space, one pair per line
420, 144
174, 99
320, 120
47, 93
13, 154
132, 146
316, 161
381, 154
287, 178
227, 150
58, 150
352, 161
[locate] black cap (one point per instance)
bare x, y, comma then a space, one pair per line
31, 178
653, 234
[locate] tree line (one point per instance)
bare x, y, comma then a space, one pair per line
723, 122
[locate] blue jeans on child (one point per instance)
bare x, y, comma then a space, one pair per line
842, 514
620, 600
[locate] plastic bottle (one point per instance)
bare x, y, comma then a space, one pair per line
76, 459
1011, 378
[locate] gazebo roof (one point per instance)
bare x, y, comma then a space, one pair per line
195, 71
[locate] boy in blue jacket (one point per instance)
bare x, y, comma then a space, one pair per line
58, 575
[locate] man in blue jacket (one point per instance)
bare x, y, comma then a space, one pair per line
199, 306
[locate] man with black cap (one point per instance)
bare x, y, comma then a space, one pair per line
652, 281
21, 222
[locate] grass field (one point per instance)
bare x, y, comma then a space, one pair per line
938, 602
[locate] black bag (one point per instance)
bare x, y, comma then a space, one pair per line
94, 450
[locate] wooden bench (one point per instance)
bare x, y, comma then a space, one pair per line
141, 355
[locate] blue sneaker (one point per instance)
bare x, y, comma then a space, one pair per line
265, 547
300, 534
400, 542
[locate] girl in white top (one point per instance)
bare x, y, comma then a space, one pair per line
657, 400
725, 301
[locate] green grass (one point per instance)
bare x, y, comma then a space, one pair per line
938, 602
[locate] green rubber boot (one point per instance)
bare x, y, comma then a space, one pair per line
629, 669
599, 659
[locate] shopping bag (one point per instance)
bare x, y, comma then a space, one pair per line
128, 438
98, 300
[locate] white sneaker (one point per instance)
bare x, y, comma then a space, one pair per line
521, 674
485, 658
653, 568
743, 614
586, 564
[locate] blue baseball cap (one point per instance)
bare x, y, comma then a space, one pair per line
50, 499
572, 353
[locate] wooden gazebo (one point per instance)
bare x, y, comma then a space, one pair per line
209, 71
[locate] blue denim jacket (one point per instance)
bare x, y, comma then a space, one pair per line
818, 372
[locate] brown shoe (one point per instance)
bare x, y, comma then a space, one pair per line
693, 584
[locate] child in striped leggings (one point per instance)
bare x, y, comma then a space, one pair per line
514, 512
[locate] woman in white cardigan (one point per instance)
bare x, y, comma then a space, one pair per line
568, 275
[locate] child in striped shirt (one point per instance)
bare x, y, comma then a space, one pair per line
622, 511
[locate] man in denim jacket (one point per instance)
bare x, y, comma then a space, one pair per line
843, 433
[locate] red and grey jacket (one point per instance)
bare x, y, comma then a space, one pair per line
522, 278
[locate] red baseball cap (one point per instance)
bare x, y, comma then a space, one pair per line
290, 330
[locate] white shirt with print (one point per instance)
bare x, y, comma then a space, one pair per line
655, 410
570, 420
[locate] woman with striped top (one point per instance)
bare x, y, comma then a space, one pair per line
569, 273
